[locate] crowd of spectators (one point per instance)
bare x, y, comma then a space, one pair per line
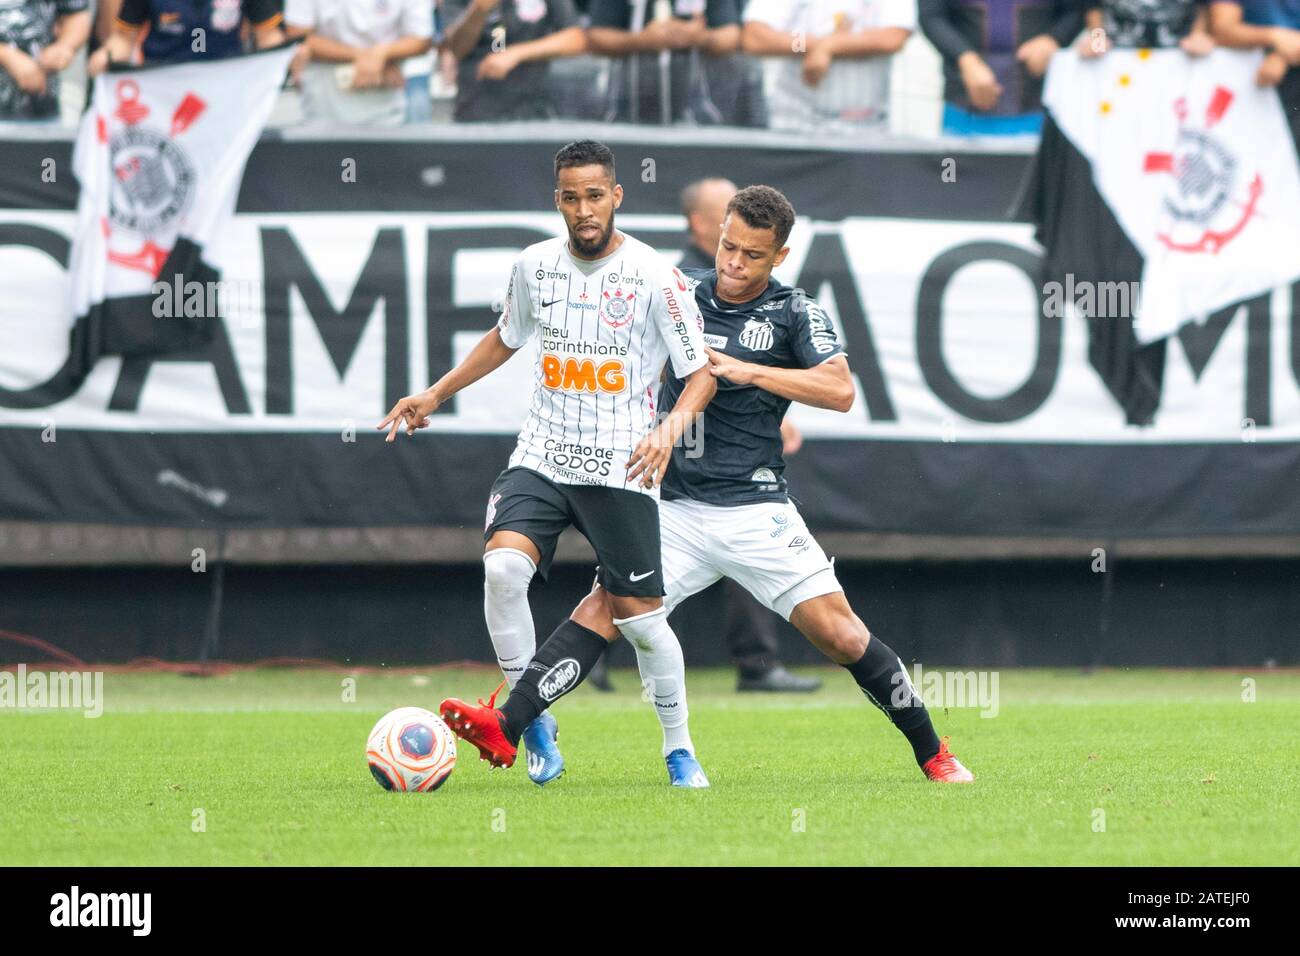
795, 65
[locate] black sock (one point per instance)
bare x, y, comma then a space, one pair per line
562, 663
883, 679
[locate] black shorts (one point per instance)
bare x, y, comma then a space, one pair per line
622, 526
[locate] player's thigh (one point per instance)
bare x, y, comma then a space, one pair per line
623, 529
527, 512
767, 549
688, 563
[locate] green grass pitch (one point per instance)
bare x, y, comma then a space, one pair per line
1146, 767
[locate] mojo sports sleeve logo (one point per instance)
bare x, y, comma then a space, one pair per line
680, 328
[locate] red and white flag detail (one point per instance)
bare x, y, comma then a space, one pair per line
159, 158
1198, 166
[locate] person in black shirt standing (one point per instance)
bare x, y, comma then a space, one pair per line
503, 48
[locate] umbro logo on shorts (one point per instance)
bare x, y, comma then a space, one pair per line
639, 577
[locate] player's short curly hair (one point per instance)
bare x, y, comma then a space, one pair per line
584, 152
763, 207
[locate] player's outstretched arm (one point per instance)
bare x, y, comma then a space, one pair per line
828, 385
650, 458
413, 411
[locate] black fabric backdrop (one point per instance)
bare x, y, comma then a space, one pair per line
292, 480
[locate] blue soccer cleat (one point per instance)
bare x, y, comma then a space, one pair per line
544, 760
685, 771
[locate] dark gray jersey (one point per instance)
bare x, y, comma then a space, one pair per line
737, 460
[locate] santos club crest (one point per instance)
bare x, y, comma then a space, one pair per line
756, 336
1209, 202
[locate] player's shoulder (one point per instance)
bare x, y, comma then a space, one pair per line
647, 260
546, 252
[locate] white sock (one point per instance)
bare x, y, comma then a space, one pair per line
506, 573
663, 674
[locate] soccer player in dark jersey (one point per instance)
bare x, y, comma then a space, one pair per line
727, 513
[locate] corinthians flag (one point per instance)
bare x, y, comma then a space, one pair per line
159, 159
1173, 176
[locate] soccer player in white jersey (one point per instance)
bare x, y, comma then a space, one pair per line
726, 512
608, 313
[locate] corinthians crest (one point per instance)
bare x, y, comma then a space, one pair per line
1207, 205
153, 178
616, 310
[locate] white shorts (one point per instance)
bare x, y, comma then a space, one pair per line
765, 548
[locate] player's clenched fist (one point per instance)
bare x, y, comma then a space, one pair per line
413, 411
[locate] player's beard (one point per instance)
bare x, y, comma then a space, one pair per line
589, 248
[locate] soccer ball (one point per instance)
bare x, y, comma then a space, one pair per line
411, 749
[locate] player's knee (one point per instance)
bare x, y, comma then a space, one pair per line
505, 569
645, 629
594, 614
845, 637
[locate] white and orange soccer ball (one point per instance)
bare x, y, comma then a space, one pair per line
411, 749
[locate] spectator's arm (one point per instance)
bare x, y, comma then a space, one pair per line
26, 72
611, 41
939, 29
463, 35
265, 17
722, 40
406, 47
71, 31
569, 42
105, 13
266, 37
325, 50
1199, 41
117, 46
722, 22
1067, 24
867, 42
658, 35
759, 39
1230, 29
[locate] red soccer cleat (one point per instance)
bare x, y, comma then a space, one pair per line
481, 726
943, 767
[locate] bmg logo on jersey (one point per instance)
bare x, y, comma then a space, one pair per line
583, 375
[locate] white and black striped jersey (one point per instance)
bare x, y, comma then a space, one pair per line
605, 328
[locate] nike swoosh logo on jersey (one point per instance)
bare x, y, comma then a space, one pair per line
547, 305
639, 577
